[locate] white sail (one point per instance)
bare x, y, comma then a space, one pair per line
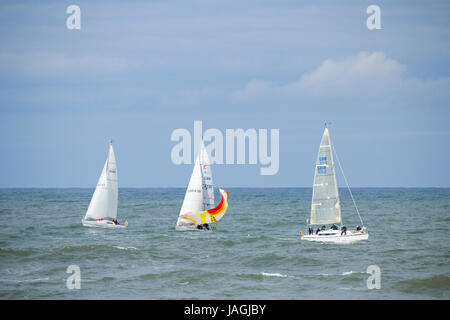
325, 206
104, 201
200, 191
207, 180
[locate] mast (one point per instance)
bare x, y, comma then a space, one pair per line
205, 205
334, 175
207, 181
202, 146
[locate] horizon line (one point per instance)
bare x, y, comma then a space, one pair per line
243, 187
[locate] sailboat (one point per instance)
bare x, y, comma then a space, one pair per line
102, 210
197, 211
326, 205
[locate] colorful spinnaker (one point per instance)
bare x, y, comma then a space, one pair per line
208, 216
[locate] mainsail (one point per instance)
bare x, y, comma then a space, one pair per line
325, 206
104, 201
200, 191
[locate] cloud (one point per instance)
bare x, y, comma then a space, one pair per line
373, 70
254, 90
362, 76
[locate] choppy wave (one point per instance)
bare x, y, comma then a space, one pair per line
266, 274
18, 252
25, 280
256, 252
437, 286
126, 248
347, 273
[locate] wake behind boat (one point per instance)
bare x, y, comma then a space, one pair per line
325, 204
102, 211
197, 212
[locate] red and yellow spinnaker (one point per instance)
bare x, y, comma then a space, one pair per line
211, 215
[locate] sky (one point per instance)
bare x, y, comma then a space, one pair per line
138, 70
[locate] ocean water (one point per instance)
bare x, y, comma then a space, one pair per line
256, 253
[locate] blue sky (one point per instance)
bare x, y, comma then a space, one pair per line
138, 70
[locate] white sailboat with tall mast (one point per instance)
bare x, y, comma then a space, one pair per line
326, 204
102, 210
197, 210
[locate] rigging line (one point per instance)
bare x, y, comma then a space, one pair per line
350, 191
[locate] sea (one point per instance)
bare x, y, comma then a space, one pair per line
255, 253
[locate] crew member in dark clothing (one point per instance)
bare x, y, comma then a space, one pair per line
344, 230
334, 227
358, 228
317, 231
203, 226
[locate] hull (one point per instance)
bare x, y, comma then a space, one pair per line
102, 224
336, 237
193, 227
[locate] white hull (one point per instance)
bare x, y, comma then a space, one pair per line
336, 237
102, 224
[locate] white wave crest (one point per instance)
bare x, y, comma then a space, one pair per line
273, 275
125, 248
346, 273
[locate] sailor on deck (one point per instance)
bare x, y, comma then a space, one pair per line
344, 230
